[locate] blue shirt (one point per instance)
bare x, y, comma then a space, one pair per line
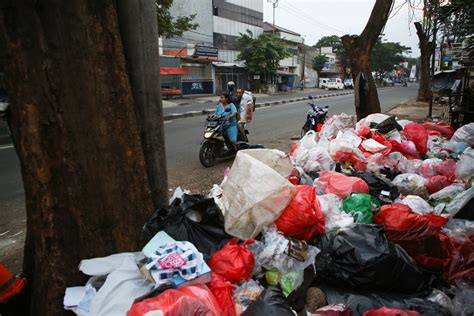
220, 110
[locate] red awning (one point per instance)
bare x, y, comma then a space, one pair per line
173, 71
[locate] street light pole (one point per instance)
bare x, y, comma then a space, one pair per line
275, 5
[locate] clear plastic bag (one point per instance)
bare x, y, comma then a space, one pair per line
288, 282
465, 165
448, 192
409, 166
271, 253
459, 201
335, 218
255, 194
337, 123
317, 160
417, 204
465, 134
375, 118
247, 293
410, 183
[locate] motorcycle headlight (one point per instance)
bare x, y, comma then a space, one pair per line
208, 134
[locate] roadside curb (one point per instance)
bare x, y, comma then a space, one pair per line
258, 105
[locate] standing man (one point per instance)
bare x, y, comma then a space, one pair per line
247, 106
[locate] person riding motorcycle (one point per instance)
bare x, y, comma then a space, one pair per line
246, 106
227, 109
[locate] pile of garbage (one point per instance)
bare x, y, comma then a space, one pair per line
374, 217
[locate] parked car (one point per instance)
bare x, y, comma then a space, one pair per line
349, 83
388, 82
334, 84
412, 80
323, 83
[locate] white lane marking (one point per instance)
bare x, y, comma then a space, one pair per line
6, 147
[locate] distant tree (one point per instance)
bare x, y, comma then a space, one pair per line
335, 42
169, 26
358, 48
385, 55
261, 54
318, 62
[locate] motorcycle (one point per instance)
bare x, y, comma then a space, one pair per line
215, 137
314, 117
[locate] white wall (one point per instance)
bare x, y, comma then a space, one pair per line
229, 56
233, 28
291, 37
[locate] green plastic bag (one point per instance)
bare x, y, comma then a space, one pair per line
361, 206
288, 282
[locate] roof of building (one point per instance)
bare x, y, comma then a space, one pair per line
269, 27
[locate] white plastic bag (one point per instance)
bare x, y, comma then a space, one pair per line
411, 184
256, 191
417, 204
448, 192
307, 143
337, 123
123, 285
465, 165
340, 145
331, 208
459, 201
318, 160
465, 134
373, 146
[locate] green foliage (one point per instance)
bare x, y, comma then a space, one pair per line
458, 18
318, 62
385, 55
335, 42
167, 25
262, 54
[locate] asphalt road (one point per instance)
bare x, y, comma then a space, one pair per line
272, 125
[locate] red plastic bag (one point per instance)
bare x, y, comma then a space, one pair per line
183, 301
293, 150
302, 219
437, 183
419, 235
342, 185
461, 266
418, 134
408, 149
387, 311
444, 129
222, 290
351, 158
446, 168
233, 262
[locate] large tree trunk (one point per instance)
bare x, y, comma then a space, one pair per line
137, 22
358, 50
424, 88
73, 120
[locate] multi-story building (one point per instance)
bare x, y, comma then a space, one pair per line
331, 68
209, 53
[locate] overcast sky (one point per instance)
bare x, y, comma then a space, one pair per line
317, 18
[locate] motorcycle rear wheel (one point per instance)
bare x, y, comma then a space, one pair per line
207, 154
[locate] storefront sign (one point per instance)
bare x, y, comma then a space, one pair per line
198, 87
205, 51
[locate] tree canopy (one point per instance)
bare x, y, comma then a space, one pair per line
318, 62
387, 54
169, 26
335, 42
261, 54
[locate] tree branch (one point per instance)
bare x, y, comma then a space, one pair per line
376, 23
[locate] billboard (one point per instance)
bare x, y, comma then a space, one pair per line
413, 72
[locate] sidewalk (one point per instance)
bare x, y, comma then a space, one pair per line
417, 111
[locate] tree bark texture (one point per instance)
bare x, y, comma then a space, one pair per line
358, 48
139, 33
73, 120
425, 52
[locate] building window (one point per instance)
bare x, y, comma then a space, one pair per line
216, 11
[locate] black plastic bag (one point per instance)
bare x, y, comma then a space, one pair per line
192, 218
363, 258
360, 302
270, 302
387, 125
379, 187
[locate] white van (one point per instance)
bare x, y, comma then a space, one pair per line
334, 84
323, 83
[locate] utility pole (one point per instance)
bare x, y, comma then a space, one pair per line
275, 5
303, 65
